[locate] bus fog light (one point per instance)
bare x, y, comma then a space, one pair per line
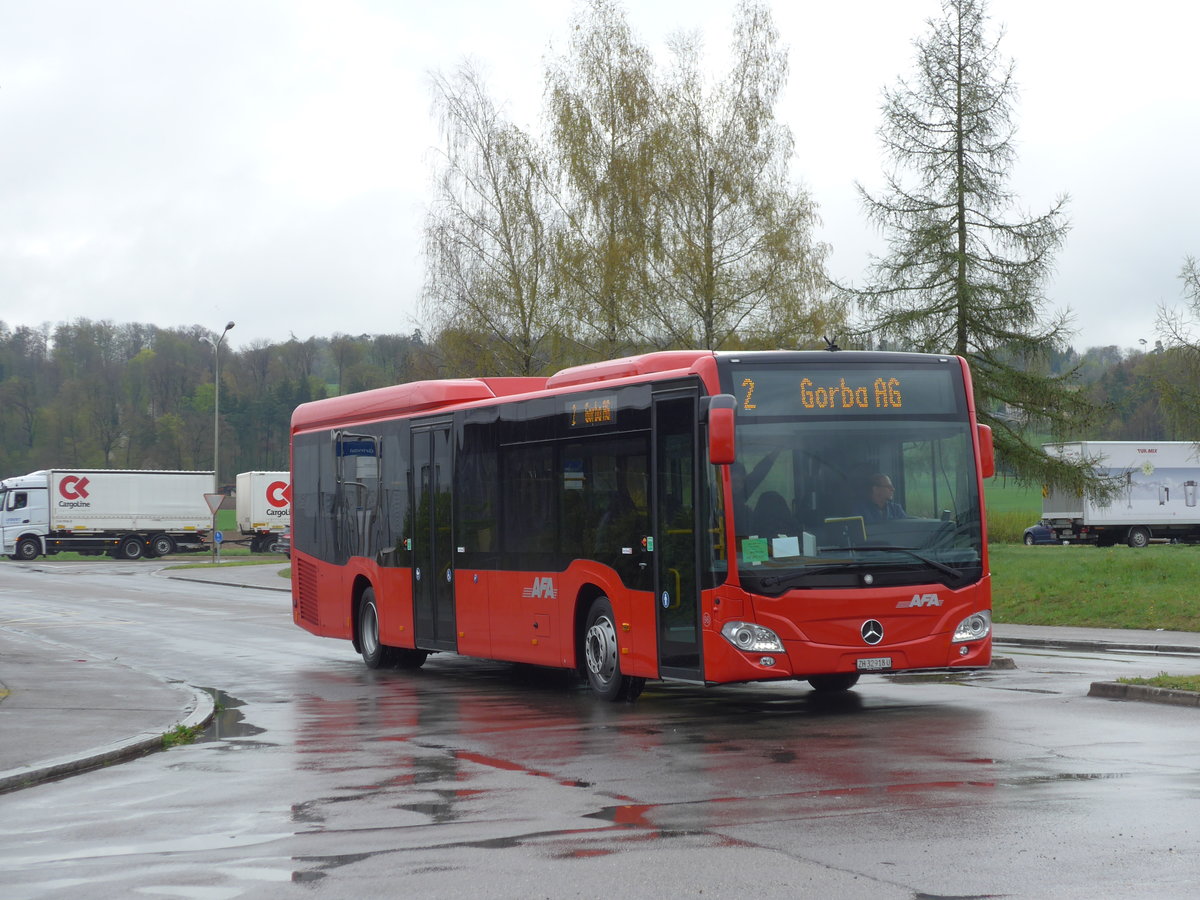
963, 651
767, 661
752, 638
974, 627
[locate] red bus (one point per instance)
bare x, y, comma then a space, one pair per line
698, 516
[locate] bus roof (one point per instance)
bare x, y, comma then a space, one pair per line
427, 396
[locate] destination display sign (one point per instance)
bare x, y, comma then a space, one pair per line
597, 409
867, 390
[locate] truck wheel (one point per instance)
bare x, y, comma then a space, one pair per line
131, 548
1139, 536
160, 545
27, 549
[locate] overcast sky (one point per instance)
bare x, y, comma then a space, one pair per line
268, 161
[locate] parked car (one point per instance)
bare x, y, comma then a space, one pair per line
1041, 533
283, 544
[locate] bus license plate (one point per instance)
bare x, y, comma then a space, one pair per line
874, 663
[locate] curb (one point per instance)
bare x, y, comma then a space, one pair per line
1115, 690
285, 588
1095, 646
200, 713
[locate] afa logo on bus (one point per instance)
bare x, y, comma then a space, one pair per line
542, 587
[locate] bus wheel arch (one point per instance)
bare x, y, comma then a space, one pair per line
599, 653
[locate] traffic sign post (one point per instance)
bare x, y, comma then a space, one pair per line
214, 504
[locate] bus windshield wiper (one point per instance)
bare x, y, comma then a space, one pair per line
773, 580
782, 580
941, 567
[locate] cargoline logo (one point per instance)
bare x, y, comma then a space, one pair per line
73, 487
919, 600
279, 494
542, 587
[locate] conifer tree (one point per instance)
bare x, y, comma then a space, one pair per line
964, 272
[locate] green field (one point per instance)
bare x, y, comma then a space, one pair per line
1011, 508
1086, 586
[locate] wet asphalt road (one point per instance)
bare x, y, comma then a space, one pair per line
472, 779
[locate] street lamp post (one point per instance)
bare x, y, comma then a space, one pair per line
215, 343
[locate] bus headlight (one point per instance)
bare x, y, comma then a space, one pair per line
974, 627
752, 638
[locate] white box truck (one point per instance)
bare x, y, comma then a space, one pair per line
1156, 493
127, 514
264, 507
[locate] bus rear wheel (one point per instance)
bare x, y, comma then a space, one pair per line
602, 664
374, 654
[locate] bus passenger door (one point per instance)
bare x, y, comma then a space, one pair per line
676, 589
433, 571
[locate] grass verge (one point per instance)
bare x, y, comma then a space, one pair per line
1094, 587
1170, 682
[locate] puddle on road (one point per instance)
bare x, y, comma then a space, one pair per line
228, 723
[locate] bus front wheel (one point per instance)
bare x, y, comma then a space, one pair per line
602, 664
832, 683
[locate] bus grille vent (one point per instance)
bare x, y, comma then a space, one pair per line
306, 583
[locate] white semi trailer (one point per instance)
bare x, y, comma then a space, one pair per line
127, 514
1156, 486
264, 507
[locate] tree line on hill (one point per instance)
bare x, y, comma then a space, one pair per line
100, 394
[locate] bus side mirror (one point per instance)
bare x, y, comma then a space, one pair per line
987, 453
720, 429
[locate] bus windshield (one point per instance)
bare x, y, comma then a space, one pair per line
854, 476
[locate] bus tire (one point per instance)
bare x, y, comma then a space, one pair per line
601, 661
836, 682
1139, 536
27, 549
375, 654
410, 659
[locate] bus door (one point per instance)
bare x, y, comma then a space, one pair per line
432, 558
676, 590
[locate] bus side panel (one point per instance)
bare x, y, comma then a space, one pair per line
522, 610
472, 613
394, 597
320, 597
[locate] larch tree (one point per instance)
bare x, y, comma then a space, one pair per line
964, 271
